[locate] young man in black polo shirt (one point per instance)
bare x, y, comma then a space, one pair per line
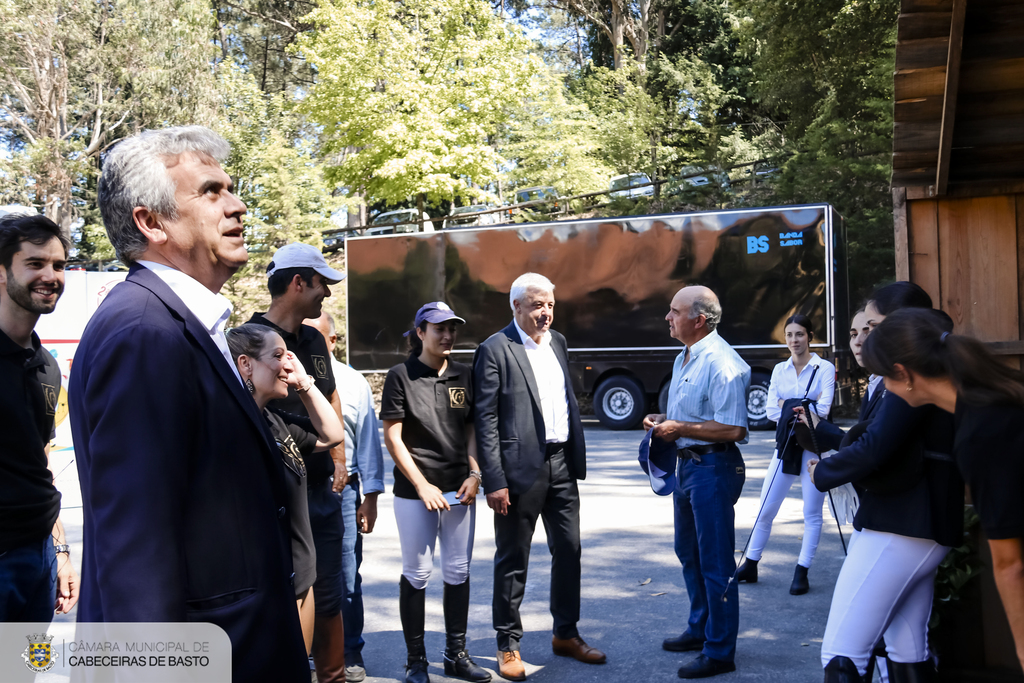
298, 280
36, 575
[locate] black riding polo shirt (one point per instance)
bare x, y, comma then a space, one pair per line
989, 450
29, 388
311, 350
434, 411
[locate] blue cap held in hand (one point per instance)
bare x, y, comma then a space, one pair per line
658, 459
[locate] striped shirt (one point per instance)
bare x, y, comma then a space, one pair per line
712, 386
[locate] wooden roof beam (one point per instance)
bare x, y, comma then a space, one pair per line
956, 42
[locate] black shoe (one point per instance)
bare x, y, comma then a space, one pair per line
747, 573
842, 670
683, 643
705, 667
799, 585
460, 665
416, 670
912, 672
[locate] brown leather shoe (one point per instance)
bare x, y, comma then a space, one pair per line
577, 649
510, 666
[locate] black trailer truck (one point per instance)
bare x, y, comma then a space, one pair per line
614, 279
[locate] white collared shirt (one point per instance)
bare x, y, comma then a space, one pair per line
547, 372
212, 310
873, 383
786, 384
711, 386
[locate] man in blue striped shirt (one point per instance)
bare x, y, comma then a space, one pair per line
707, 417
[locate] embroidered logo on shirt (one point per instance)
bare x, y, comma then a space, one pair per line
457, 396
50, 394
319, 366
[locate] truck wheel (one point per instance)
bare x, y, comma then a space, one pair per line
619, 402
663, 398
757, 402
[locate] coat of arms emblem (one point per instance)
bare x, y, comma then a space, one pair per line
39, 655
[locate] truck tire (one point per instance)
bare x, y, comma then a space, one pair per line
663, 398
757, 402
619, 402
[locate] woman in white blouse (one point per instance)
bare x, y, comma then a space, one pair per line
805, 374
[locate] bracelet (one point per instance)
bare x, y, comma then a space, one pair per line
59, 548
476, 474
309, 385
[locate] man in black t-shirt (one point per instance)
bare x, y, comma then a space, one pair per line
36, 575
298, 280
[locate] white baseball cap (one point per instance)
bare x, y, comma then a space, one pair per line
299, 255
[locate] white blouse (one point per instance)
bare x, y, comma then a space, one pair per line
786, 384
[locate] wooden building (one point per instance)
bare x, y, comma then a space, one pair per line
958, 195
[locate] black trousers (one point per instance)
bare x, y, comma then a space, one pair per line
555, 498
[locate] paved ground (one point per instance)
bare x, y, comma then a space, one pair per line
627, 540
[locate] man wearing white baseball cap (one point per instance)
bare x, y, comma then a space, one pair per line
298, 278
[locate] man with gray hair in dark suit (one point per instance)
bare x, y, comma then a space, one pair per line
532, 452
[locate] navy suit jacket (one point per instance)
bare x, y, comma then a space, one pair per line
510, 431
182, 487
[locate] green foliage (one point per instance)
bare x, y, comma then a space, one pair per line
957, 570
409, 95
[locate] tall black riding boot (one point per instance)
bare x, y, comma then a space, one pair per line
747, 573
456, 618
912, 672
842, 670
411, 608
800, 584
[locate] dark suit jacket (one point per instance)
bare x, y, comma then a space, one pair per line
182, 489
510, 433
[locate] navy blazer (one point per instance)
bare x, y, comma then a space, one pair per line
182, 488
510, 431
932, 506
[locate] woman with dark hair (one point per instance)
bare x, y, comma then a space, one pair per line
910, 514
427, 409
268, 369
804, 375
926, 365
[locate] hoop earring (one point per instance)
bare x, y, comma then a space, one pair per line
250, 386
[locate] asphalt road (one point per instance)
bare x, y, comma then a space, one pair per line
627, 540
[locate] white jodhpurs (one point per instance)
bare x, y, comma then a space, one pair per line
884, 588
418, 531
774, 490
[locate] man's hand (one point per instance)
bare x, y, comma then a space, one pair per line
67, 585
340, 471
651, 420
498, 501
668, 430
366, 514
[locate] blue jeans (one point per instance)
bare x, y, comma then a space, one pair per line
351, 558
28, 582
705, 545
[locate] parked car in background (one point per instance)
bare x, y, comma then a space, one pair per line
697, 177
627, 185
536, 194
399, 221
467, 221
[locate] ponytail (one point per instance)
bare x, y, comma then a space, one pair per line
415, 343
920, 340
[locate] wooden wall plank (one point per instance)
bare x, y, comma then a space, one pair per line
922, 25
923, 246
994, 76
1019, 205
916, 137
908, 6
986, 105
920, 83
955, 46
918, 110
922, 53
902, 247
978, 269
912, 160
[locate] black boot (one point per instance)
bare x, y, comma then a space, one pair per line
799, 585
913, 672
456, 617
842, 670
747, 573
411, 609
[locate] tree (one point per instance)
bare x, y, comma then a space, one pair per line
76, 77
409, 95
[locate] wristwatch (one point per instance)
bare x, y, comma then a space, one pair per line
476, 475
62, 548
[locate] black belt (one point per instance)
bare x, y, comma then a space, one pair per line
552, 448
696, 451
